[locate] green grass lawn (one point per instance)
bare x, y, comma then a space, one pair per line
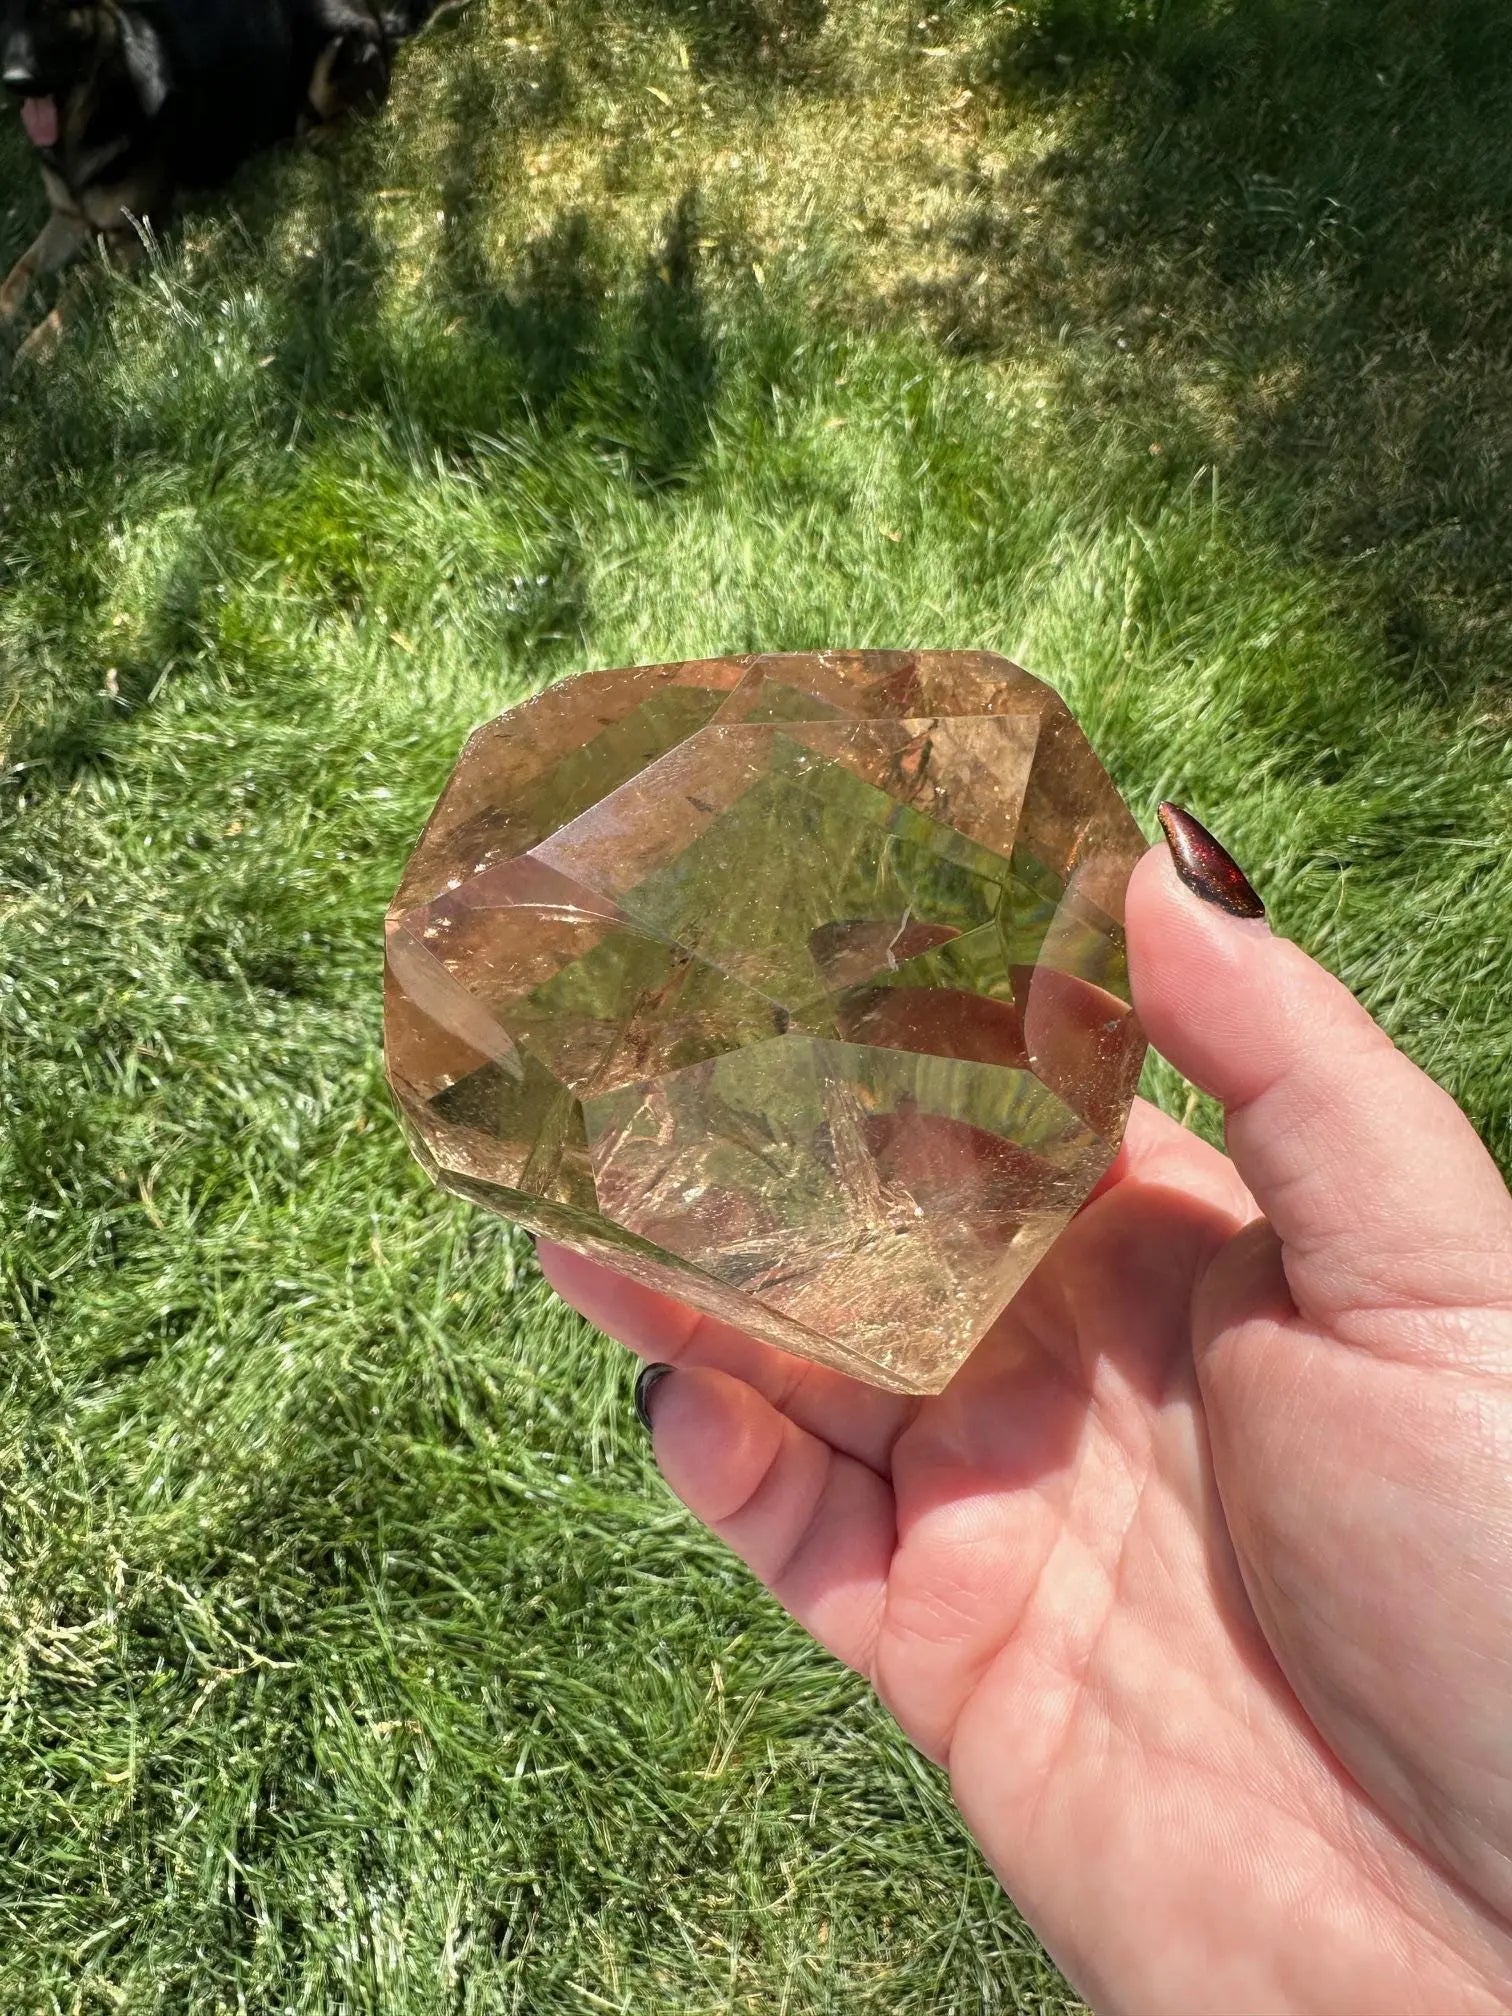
351, 1656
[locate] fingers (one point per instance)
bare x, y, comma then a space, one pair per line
813, 1524
1375, 1183
859, 1420
743, 1436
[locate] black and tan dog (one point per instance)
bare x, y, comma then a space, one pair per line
128, 102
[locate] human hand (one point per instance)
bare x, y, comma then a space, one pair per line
1198, 1577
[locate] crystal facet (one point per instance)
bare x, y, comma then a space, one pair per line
793, 986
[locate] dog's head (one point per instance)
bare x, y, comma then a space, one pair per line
51, 49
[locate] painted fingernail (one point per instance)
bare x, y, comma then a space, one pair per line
1208, 869
650, 1377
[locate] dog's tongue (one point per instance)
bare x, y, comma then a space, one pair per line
40, 118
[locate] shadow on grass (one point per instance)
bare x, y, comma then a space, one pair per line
1277, 237
769, 40
543, 352
550, 331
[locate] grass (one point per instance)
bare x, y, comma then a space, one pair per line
351, 1657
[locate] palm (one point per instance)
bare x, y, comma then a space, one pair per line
1065, 1624
1034, 1497
1036, 1571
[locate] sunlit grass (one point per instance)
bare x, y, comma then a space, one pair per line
352, 1659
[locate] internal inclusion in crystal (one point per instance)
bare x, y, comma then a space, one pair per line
792, 986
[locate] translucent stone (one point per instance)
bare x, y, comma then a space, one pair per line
792, 986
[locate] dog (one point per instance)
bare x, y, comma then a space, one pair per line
126, 103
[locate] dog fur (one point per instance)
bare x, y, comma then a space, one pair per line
129, 102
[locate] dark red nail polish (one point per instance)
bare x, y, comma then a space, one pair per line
650, 1377
1207, 868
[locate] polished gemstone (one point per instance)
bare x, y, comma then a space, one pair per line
793, 986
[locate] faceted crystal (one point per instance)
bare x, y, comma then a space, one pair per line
792, 986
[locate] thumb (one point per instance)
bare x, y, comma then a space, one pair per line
1383, 1199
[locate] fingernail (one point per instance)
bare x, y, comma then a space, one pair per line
649, 1379
1208, 869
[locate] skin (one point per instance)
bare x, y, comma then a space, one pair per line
1198, 1578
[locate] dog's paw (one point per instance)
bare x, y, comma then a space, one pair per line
42, 343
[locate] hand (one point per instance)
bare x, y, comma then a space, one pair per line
1198, 1578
